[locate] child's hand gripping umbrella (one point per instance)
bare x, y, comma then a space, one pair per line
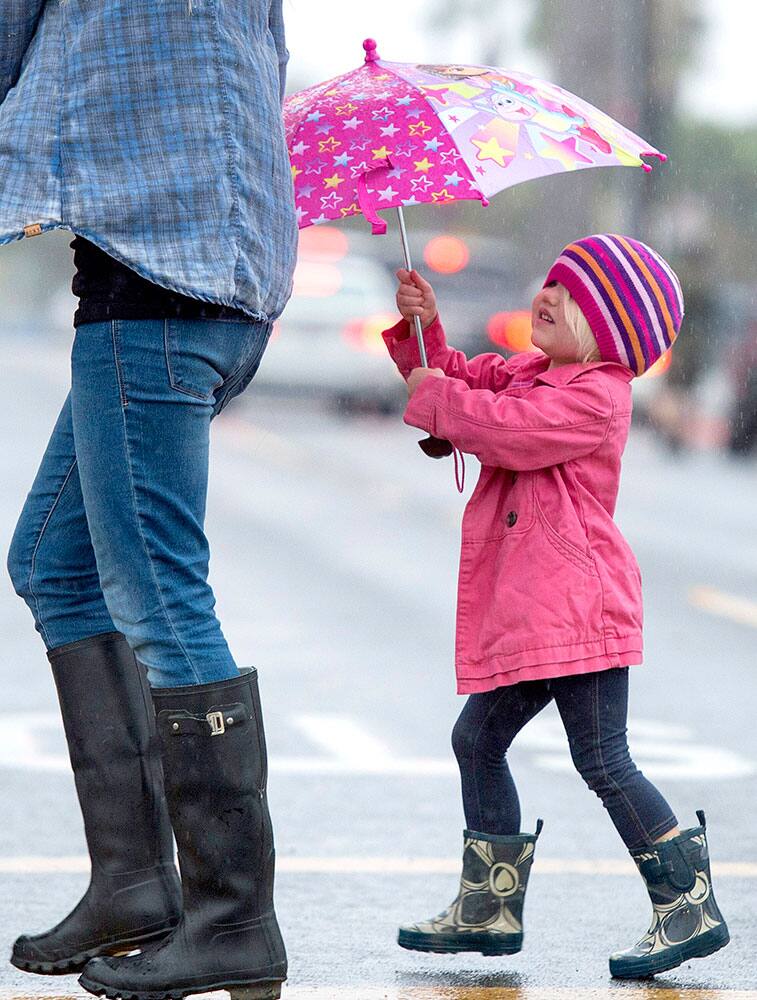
387, 135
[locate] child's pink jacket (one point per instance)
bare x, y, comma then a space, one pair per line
547, 586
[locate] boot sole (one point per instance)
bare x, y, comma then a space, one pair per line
649, 965
75, 963
270, 990
453, 944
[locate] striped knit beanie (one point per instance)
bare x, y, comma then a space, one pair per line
630, 296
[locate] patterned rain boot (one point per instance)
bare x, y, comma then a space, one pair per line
134, 895
487, 915
686, 922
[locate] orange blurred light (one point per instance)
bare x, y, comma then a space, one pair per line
446, 254
511, 330
316, 280
660, 366
324, 242
364, 334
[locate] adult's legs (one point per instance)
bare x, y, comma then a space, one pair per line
594, 711
55, 568
481, 737
133, 895
143, 395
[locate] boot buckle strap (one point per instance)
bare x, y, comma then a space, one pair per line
216, 722
680, 876
222, 719
654, 870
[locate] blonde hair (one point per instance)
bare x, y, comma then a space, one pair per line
579, 327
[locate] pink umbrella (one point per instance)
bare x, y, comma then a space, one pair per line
390, 135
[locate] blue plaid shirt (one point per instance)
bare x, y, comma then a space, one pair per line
153, 128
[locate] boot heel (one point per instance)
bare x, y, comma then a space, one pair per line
267, 991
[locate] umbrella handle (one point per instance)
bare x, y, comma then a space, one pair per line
432, 446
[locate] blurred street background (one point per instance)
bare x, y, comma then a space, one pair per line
334, 539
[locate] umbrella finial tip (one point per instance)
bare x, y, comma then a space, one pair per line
371, 55
646, 168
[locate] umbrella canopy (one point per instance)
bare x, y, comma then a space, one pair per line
387, 135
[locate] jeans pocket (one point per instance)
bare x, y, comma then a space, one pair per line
236, 385
202, 355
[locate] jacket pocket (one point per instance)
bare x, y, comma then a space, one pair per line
565, 548
525, 599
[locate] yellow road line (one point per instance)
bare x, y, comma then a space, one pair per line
440, 992
507, 993
445, 866
737, 609
37, 865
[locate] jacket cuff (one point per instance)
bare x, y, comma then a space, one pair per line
402, 344
421, 407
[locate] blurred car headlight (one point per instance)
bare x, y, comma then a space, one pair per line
446, 254
511, 330
660, 366
364, 333
325, 243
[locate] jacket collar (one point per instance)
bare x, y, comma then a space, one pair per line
563, 374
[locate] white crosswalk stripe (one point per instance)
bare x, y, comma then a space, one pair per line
345, 747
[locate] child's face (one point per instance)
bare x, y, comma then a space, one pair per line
549, 329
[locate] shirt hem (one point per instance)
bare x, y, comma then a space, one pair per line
192, 293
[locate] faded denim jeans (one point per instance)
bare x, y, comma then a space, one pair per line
111, 536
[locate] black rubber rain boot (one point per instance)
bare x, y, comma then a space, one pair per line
214, 760
686, 921
487, 915
134, 895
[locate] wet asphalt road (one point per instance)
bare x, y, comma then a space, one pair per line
334, 557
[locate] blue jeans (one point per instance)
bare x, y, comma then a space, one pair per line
111, 536
594, 709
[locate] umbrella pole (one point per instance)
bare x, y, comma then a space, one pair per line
431, 446
409, 266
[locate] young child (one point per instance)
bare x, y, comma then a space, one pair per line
549, 593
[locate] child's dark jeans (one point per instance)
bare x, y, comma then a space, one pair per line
593, 708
